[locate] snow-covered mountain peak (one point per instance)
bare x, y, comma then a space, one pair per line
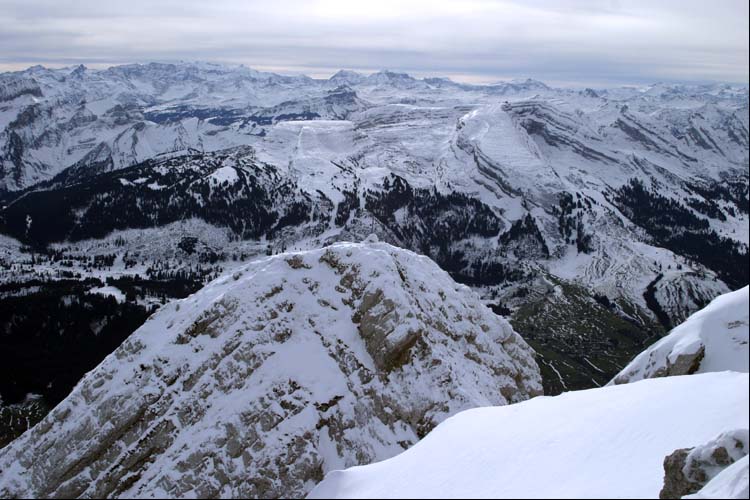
346, 77
529, 83
272, 376
393, 78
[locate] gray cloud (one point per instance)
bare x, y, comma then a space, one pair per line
574, 41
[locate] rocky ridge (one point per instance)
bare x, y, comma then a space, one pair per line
270, 377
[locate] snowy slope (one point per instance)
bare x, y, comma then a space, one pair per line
600, 443
713, 339
732, 482
270, 377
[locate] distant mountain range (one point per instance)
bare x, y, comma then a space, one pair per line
595, 219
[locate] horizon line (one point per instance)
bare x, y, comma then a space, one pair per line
471, 79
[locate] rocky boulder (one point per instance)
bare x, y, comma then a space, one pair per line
688, 470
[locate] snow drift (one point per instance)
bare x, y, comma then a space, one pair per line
731, 482
713, 339
270, 377
599, 443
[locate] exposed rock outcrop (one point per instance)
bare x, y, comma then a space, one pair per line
269, 378
688, 470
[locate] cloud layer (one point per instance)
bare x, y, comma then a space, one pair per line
576, 41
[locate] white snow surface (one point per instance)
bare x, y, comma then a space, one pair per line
599, 443
732, 482
721, 329
266, 379
111, 291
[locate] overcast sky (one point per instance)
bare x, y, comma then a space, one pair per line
571, 41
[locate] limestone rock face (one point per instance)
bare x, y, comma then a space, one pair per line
269, 378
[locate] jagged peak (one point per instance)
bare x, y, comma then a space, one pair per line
346, 74
79, 70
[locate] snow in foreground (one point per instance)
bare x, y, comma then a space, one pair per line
713, 339
600, 443
732, 482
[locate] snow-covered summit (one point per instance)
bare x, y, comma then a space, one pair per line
347, 77
272, 376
